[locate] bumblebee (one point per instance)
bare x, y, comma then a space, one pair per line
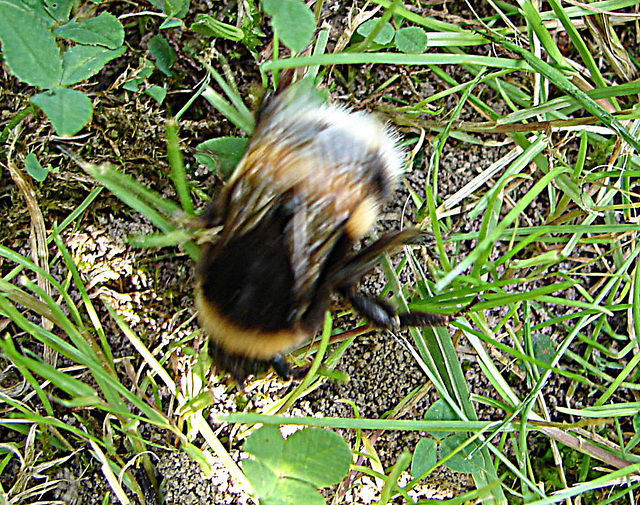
310, 185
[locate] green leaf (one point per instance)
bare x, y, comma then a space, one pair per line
272, 7
36, 7
211, 27
30, 50
67, 109
103, 30
293, 492
171, 23
266, 444
81, 62
59, 9
158, 93
176, 8
317, 456
163, 53
261, 477
411, 40
384, 37
34, 168
440, 411
460, 462
543, 348
295, 24
424, 457
133, 84
221, 155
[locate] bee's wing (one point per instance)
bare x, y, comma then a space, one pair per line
363, 261
312, 239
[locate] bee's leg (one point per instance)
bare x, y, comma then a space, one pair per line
377, 311
384, 315
423, 319
364, 260
280, 367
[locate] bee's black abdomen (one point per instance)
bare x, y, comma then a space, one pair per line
249, 280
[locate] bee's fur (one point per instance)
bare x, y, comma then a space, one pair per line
310, 185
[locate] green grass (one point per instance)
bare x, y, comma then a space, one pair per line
553, 258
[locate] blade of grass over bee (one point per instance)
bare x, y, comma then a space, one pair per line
313, 370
